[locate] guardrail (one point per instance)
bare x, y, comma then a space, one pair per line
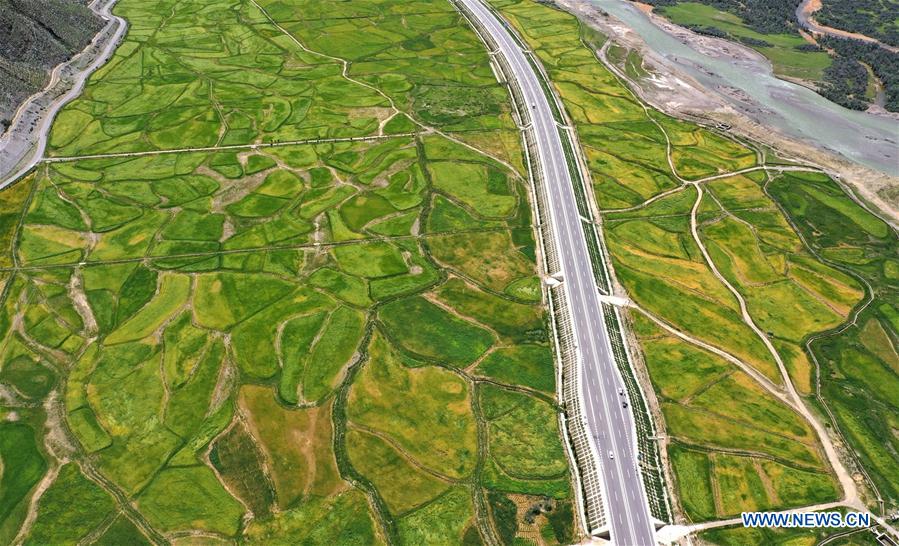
651, 465
649, 457
573, 423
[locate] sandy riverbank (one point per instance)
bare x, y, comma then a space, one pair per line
670, 89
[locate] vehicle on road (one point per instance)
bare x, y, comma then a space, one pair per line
621, 392
592, 340
624, 404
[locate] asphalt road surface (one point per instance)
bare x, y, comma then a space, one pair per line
611, 425
22, 146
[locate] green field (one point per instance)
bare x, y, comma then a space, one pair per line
345, 342
797, 249
224, 335
201, 75
863, 357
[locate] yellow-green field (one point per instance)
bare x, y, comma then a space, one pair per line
733, 444
299, 343
299, 339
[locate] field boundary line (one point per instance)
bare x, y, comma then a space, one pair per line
572, 424
253, 146
251, 250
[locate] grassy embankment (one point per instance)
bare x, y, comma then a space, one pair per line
733, 445
334, 343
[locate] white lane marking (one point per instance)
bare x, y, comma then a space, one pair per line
551, 174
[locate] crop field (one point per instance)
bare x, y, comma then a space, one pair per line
755, 248
859, 365
205, 74
322, 341
726, 434
657, 239
699, 153
802, 255
222, 321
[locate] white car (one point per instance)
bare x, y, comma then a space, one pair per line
621, 392
611, 455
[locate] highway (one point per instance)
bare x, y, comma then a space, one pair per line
611, 425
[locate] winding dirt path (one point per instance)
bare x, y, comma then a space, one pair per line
850, 491
763, 381
805, 13
791, 397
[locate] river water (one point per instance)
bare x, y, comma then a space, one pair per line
796, 111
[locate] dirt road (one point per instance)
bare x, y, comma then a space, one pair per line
805, 13
23, 144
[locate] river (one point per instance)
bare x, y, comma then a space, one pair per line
796, 111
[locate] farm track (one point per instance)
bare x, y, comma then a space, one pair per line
851, 496
218, 148
251, 250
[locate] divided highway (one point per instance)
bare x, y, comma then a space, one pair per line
611, 425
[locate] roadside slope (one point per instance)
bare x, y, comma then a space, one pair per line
639, 160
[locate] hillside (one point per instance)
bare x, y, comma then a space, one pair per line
35, 36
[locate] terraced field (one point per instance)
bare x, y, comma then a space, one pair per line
321, 342
692, 245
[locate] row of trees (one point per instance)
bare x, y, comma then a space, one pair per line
875, 18
846, 80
